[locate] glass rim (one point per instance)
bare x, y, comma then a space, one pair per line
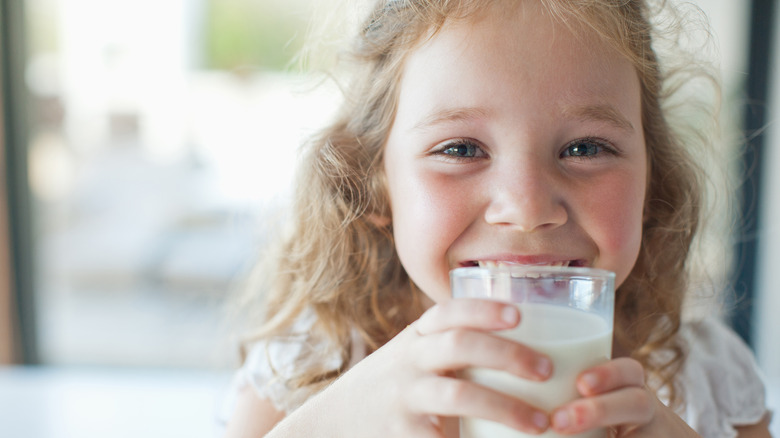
564, 271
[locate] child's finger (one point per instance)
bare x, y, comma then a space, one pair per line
461, 348
468, 313
627, 406
446, 396
609, 376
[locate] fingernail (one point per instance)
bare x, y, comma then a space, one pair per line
591, 380
540, 420
561, 419
544, 367
510, 315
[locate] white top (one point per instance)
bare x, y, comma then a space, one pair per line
722, 384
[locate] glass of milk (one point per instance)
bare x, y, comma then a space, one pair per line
566, 313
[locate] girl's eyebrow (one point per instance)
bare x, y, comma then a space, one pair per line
451, 115
600, 113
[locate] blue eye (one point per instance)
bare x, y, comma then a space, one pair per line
463, 149
584, 148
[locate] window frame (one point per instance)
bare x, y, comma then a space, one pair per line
20, 243
757, 88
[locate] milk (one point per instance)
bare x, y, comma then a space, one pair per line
573, 339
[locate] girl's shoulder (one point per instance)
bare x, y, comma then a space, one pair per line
270, 364
721, 382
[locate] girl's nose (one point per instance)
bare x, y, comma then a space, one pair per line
528, 198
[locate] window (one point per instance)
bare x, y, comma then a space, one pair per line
162, 133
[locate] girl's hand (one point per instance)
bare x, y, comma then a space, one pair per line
407, 387
615, 397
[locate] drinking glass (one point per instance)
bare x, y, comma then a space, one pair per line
566, 313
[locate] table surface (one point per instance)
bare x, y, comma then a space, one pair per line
54, 402
64, 402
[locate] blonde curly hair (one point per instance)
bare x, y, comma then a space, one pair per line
339, 261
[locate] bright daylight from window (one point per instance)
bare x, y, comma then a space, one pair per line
163, 132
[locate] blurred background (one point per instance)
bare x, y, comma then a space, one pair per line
145, 141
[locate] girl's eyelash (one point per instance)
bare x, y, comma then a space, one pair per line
460, 149
588, 148
464, 149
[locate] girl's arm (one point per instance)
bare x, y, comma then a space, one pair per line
253, 417
408, 387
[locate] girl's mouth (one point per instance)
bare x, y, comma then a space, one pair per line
503, 263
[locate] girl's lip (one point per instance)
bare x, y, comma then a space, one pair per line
526, 261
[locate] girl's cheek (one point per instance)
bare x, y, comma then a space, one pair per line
430, 215
618, 229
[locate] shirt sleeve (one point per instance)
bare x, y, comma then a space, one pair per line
722, 384
270, 364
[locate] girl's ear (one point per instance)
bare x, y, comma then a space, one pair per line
379, 221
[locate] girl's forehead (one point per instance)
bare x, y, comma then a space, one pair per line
595, 24
532, 23
525, 43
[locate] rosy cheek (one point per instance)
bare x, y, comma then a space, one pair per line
432, 196
619, 222
429, 217
441, 199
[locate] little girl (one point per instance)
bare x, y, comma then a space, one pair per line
510, 132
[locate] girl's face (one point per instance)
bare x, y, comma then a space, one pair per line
515, 141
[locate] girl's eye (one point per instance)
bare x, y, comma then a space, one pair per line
585, 148
462, 149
